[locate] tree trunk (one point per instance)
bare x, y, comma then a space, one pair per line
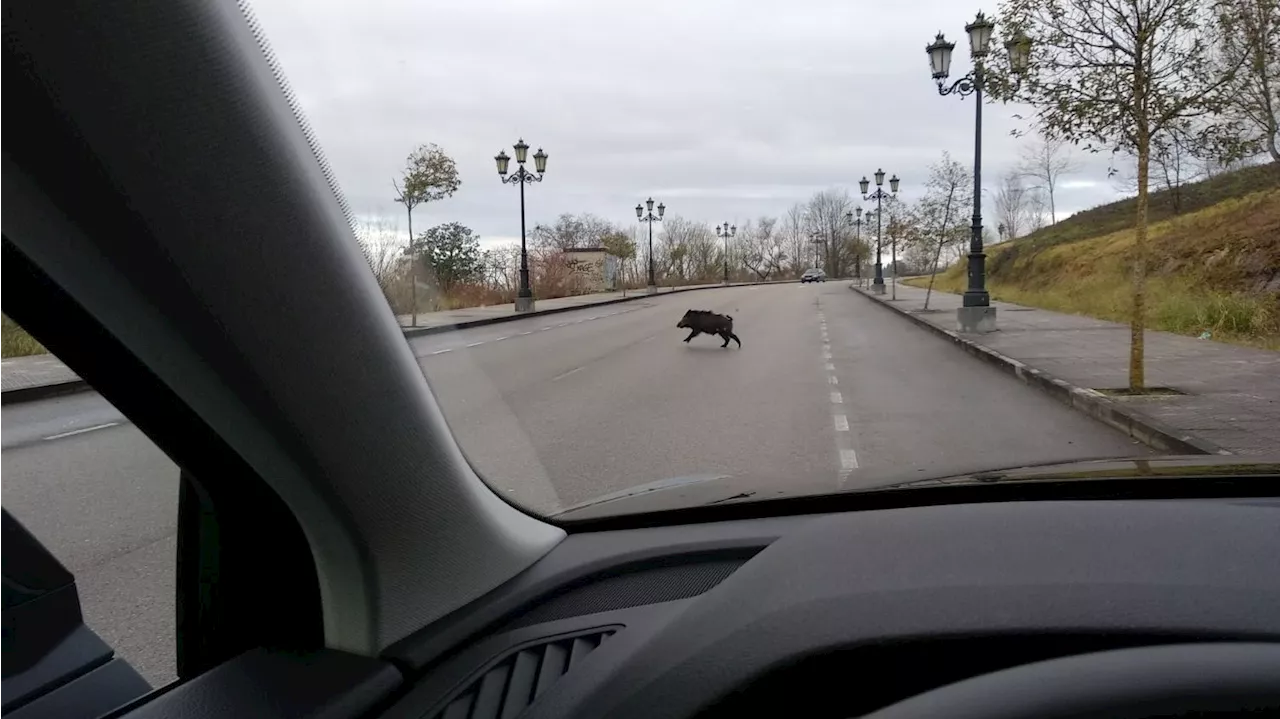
1137, 323
413, 274
942, 238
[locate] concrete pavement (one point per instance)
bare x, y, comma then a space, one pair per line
1230, 401
556, 412
827, 393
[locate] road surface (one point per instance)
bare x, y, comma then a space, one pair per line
827, 393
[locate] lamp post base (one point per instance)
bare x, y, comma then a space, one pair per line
653, 289
524, 304
877, 288
975, 320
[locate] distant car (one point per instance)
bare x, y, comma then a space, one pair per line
813, 275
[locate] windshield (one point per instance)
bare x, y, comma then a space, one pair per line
648, 248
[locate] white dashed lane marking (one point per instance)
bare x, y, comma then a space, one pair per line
94, 428
833, 379
566, 374
440, 352
830, 367
841, 422
848, 459
836, 398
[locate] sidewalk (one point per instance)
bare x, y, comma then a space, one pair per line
25, 379
1231, 403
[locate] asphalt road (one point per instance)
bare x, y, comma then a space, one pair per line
827, 393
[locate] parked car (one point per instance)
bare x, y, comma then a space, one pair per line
813, 275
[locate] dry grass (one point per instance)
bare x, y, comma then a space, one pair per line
15, 342
1215, 270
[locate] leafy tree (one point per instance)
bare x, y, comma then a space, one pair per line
429, 175
1248, 37
619, 245
451, 252
1114, 74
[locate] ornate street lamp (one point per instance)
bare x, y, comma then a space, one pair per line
645, 214
877, 285
522, 177
726, 233
977, 314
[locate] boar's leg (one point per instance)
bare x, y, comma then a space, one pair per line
728, 335
692, 334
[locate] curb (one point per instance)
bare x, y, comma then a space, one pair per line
43, 391
1150, 432
411, 332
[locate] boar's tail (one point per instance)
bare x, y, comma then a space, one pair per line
729, 317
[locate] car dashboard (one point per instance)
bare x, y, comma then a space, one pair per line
833, 615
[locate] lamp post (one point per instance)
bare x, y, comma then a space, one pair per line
725, 233
855, 221
877, 285
820, 256
522, 177
645, 214
976, 314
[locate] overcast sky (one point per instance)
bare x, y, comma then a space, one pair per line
722, 109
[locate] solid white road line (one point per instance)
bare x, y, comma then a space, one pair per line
94, 428
848, 459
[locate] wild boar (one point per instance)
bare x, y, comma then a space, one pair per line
706, 322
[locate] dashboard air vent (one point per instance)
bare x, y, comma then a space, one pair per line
511, 685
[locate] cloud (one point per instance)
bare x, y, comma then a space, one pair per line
720, 108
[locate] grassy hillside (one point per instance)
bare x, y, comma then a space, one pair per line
1215, 267
15, 342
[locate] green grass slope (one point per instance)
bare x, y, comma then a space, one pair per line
1215, 266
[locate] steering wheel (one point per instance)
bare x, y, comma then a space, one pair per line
1167, 680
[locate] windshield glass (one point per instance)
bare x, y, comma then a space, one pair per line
732, 253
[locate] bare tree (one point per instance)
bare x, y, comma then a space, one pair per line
941, 213
762, 248
573, 231
826, 219
680, 238
379, 241
1014, 206
429, 175
1248, 37
1043, 163
795, 238
1114, 74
